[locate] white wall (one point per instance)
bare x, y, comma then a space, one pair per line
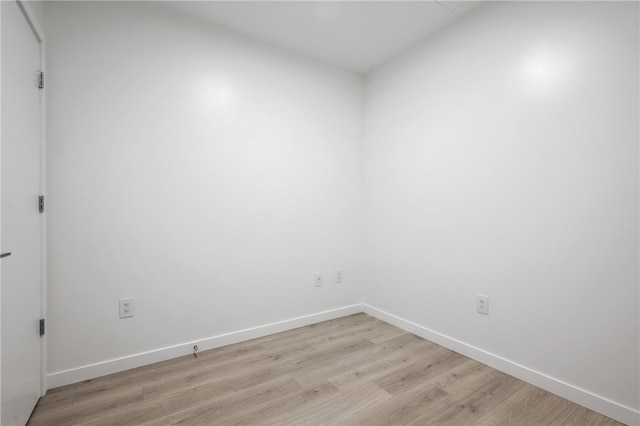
502, 159
202, 173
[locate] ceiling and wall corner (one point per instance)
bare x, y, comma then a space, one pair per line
355, 35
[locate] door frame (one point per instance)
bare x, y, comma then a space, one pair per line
36, 27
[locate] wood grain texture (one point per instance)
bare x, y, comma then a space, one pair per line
354, 370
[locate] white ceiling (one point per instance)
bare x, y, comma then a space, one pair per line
355, 35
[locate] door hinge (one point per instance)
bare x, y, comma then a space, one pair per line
41, 80
42, 327
41, 203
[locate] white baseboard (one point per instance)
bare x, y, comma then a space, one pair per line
573, 393
103, 368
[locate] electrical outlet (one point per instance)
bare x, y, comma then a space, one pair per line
482, 304
318, 279
126, 307
338, 276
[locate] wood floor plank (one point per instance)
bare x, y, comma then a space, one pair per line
533, 406
274, 364
461, 377
272, 413
56, 400
370, 330
354, 370
385, 332
395, 355
401, 410
335, 409
297, 361
160, 403
420, 371
528, 406
331, 354
468, 406
316, 331
90, 409
214, 411
390, 352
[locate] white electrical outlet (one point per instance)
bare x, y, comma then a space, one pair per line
338, 276
126, 307
482, 304
318, 279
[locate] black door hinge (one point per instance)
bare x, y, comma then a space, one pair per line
42, 327
41, 203
40, 80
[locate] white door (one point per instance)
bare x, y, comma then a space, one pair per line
21, 178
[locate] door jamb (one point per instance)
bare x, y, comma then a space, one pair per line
36, 27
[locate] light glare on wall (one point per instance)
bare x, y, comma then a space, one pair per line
214, 93
538, 67
545, 69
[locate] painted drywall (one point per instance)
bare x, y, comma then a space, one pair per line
502, 159
205, 174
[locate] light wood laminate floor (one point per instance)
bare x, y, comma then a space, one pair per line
355, 370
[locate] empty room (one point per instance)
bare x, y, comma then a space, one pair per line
320, 212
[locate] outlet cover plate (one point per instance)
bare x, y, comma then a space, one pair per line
482, 304
126, 307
